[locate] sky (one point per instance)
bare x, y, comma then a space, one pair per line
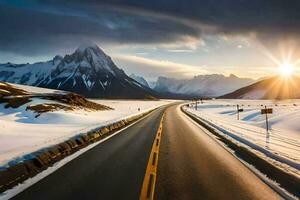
174, 38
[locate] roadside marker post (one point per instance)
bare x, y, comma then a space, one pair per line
238, 114
238, 109
267, 111
267, 121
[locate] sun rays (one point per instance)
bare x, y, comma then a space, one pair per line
285, 59
286, 69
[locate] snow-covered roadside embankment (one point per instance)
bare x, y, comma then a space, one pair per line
272, 169
31, 164
281, 143
22, 132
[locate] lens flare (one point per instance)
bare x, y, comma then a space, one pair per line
285, 59
286, 69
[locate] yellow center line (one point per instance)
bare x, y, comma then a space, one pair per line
147, 192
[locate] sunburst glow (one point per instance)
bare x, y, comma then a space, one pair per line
286, 69
285, 58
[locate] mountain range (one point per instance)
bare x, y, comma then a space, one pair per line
88, 71
212, 85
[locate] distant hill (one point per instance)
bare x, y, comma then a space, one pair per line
88, 71
270, 88
212, 85
44, 100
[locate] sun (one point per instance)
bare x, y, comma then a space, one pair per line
286, 69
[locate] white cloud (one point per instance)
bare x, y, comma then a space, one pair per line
151, 68
184, 42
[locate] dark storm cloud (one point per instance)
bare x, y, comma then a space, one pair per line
39, 30
36, 27
228, 15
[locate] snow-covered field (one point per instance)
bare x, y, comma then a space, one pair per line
22, 133
38, 90
283, 141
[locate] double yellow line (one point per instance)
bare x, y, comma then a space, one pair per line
148, 187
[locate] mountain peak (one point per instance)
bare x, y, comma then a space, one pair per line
232, 76
86, 60
91, 52
89, 45
58, 57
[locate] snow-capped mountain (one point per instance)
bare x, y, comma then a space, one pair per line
270, 88
202, 85
140, 79
88, 71
152, 84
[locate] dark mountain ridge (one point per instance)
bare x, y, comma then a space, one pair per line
271, 88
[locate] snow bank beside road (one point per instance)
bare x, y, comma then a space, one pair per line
21, 133
284, 138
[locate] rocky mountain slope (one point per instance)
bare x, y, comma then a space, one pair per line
140, 79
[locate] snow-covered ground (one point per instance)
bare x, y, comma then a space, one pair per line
283, 141
38, 90
22, 133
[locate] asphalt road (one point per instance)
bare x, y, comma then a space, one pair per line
191, 165
114, 169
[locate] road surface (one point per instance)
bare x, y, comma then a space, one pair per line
194, 166
191, 166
